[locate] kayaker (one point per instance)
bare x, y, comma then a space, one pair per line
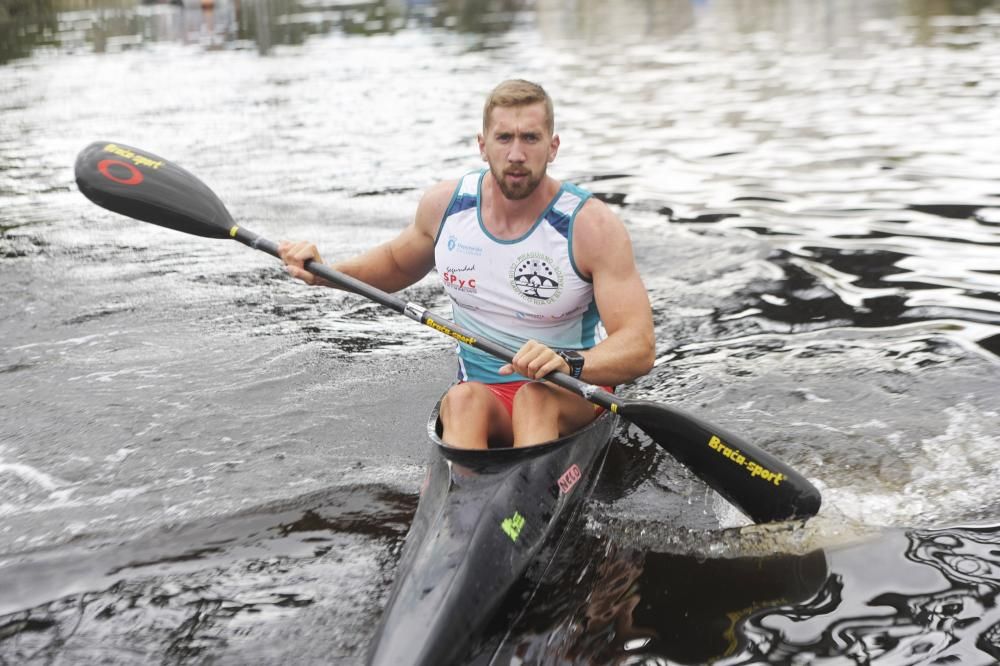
533, 263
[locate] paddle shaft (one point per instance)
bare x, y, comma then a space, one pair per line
422, 315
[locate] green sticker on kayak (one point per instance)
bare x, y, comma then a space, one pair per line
512, 526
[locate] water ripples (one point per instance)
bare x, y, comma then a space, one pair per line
812, 194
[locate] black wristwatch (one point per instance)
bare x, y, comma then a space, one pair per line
575, 361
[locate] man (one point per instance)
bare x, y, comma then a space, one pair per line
533, 264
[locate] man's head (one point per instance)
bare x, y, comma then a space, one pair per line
518, 140
518, 92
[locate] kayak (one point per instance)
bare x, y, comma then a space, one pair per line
483, 516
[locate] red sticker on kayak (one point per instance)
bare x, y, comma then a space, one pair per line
569, 479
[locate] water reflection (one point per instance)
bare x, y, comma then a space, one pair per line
953, 621
629, 606
814, 202
115, 25
837, 607
199, 591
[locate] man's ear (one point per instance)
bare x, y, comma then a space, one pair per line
553, 147
481, 140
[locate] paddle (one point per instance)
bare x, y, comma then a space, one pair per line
141, 185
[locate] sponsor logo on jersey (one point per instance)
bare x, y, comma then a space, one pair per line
461, 248
460, 279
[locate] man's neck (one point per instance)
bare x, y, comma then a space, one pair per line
509, 218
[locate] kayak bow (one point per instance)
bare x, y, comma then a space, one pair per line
483, 516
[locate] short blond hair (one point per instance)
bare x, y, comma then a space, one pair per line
518, 92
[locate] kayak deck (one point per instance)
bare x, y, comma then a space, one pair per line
481, 519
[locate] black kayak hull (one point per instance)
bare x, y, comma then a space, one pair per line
482, 517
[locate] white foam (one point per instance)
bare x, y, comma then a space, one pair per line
119, 455
29, 474
957, 472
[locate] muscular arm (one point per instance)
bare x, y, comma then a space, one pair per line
603, 251
391, 266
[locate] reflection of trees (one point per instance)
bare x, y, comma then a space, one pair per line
686, 608
479, 16
598, 21
926, 10
25, 24
697, 606
952, 625
592, 604
608, 613
827, 21
375, 18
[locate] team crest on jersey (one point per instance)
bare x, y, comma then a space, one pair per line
536, 278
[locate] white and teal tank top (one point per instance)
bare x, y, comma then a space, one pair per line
510, 291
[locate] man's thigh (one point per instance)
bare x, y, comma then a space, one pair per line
541, 400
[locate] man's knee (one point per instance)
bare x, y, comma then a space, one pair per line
540, 403
465, 398
473, 417
536, 397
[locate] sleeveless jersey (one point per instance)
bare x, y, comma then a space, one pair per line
510, 291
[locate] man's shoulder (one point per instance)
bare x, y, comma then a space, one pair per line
442, 191
595, 216
437, 196
597, 230
433, 204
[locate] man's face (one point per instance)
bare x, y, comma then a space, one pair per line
518, 147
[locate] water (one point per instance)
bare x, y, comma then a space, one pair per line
202, 461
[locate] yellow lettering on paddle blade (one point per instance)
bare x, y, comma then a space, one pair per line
752, 468
137, 159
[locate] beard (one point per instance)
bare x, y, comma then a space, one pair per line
517, 190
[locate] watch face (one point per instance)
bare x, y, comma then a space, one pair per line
575, 361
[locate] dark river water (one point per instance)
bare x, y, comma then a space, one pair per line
202, 461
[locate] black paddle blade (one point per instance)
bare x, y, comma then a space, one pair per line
141, 185
762, 486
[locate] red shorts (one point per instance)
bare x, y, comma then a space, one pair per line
506, 391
